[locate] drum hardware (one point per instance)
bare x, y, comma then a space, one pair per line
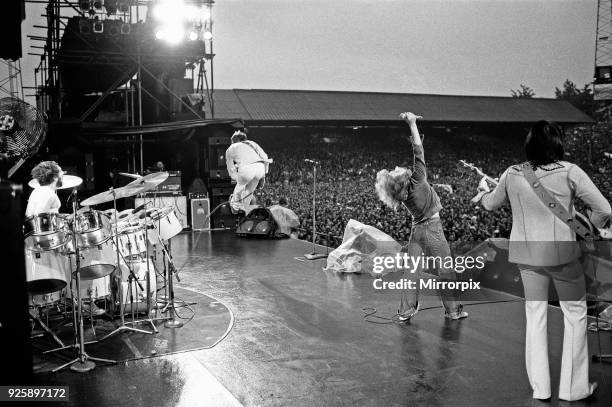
123, 327
83, 362
149, 291
36, 319
170, 301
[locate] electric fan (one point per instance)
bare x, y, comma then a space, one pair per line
22, 131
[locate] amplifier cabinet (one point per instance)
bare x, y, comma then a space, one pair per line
177, 202
200, 210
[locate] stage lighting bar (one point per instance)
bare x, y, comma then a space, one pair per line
178, 21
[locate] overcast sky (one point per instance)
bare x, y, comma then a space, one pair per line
470, 47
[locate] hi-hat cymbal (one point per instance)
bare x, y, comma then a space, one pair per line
68, 181
107, 196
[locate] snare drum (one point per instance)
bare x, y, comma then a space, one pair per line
45, 231
97, 262
92, 228
132, 243
93, 289
46, 271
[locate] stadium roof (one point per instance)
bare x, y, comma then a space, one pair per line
280, 107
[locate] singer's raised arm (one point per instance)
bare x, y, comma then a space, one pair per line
419, 170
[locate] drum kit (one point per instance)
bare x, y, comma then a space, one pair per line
92, 255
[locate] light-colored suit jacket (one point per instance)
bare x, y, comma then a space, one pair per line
244, 153
538, 237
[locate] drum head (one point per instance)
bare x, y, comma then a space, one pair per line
95, 271
45, 286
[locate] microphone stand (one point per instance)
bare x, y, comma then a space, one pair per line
314, 255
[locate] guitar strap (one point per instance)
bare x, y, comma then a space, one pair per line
555, 206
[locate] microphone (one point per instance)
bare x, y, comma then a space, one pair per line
308, 160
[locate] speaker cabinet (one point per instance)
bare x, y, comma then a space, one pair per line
200, 210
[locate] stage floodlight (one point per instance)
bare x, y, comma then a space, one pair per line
159, 34
205, 14
114, 28
125, 28
84, 26
98, 27
207, 35
84, 5
174, 34
97, 4
124, 6
110, 6
193, 35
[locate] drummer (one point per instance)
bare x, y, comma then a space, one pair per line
43, 198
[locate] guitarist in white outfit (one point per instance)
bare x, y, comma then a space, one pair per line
247, 164
544, 248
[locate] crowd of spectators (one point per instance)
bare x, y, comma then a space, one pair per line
349, 163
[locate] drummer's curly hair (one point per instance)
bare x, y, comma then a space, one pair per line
45, 172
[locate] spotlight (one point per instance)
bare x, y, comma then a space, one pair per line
159, 34
97, 4
114, 29
125, 28
124, 6
193, 35
205, 13
84, 5
84, 26
98, 27
207, 35
174, 35
110, 6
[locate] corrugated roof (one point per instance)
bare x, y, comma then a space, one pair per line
269, 106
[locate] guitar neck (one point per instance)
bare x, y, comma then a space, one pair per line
479, 172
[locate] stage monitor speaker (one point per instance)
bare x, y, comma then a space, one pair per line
200, 210
178, 203
258, 223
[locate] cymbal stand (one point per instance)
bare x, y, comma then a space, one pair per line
149, 319
170, 305
123, 327
83, 363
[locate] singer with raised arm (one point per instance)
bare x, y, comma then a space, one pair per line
247, 164
541, 193
410, 188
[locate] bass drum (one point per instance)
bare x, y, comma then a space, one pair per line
46, 272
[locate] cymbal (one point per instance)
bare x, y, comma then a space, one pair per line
68, 181
107, 196
138, 186
150, 181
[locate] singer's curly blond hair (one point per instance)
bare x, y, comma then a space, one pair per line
392, 186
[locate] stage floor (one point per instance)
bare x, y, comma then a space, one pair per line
300, 339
